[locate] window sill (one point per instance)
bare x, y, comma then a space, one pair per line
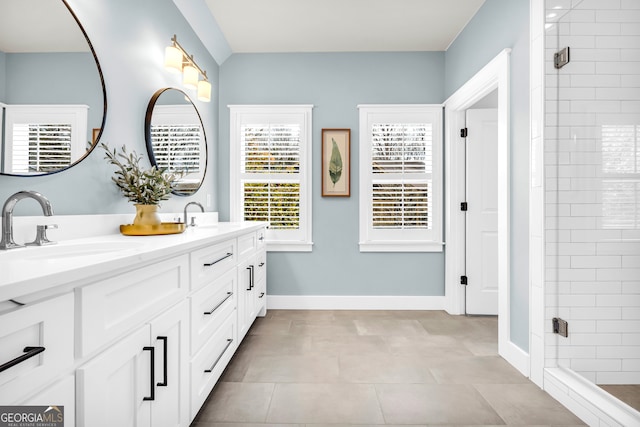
289, 246
401, 246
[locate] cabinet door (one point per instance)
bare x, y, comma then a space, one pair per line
246, 296
114, 389
169, 336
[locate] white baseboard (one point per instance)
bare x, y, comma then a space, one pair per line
349, 302
517, 357
587, 401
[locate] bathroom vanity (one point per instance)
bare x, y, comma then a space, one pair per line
135, 330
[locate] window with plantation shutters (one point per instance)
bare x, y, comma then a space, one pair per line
400, 178
44, 138
271, 170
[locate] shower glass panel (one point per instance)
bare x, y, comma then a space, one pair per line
592, 163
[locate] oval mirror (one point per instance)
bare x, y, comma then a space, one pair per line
52, 93
176, 140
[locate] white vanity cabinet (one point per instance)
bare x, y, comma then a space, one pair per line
140, 341
142, 380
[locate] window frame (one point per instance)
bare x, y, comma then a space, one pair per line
405, 240
74, 115
277, 240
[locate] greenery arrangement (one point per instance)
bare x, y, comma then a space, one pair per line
144, 187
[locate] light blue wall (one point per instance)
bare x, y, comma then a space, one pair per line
55, 78
3, 63
503, 24
129, 38
335, 84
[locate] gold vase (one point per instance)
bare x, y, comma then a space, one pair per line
147, 215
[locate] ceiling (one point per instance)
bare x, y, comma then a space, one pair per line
38, 26
252, 26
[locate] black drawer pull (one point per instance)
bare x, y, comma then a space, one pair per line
29, 352
229, 341
165, 368
261, 294
218, 260
261, 238
152, 383
250, 268
229, 294
261, 264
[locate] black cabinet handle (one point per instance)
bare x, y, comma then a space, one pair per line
261, 238
209, 264
152, 351
229, 341
165, 341
229, 294
250, 268
261, 294
29, 352
261, 264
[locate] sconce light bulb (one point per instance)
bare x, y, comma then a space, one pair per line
173, 59
204, 91
190, 77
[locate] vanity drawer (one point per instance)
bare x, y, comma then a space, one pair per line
211, 306
247, 245
261, 267
49, 325
262, 238
208, 364
211, 262
111, 307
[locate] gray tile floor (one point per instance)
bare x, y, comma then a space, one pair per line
339, 368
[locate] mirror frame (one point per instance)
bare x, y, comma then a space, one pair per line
147, 135
104, 103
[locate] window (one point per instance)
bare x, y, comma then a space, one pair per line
271, 172
400, 178
44, 138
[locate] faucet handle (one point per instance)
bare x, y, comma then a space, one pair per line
41, 235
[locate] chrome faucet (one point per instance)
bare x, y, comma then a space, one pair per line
193, 221
7, 215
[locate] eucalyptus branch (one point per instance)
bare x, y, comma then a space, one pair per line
145, 187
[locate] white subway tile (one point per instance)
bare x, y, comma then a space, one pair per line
586, 184
576, 93
597, 4
578, 196
631, 287
631, 261
629, 4
630, 339
596, 365
618, 248
582, 326
577, 223
579, 16
623, 300
572, 248
631, 365
595, 28
630, 29
596, 288
600, 105
630, 106
618, 351
580, 42
629, 54
596, 339
586, 209
625, 93
575, 352
622, 326
631, 313
618, 16
612, 313
618, 274
586, 80
577, 300
631, 235
617, 42
618, 378
579, 236
596, 261
613, 67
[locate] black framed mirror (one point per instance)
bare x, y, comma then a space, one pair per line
176, 140
53, 101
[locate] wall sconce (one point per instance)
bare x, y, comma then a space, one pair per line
177, 60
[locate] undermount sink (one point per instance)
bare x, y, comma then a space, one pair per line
71, 250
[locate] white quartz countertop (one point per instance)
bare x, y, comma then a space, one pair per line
69, 263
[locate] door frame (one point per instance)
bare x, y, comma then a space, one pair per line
494, 75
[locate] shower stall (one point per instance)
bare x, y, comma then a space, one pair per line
592, 197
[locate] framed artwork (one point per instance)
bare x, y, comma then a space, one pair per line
336, 162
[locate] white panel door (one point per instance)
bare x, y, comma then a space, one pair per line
482, 213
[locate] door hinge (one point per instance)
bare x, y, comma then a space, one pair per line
464, 206
560, 327
463, 133
463, 280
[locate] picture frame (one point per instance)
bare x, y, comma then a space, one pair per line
336, 162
